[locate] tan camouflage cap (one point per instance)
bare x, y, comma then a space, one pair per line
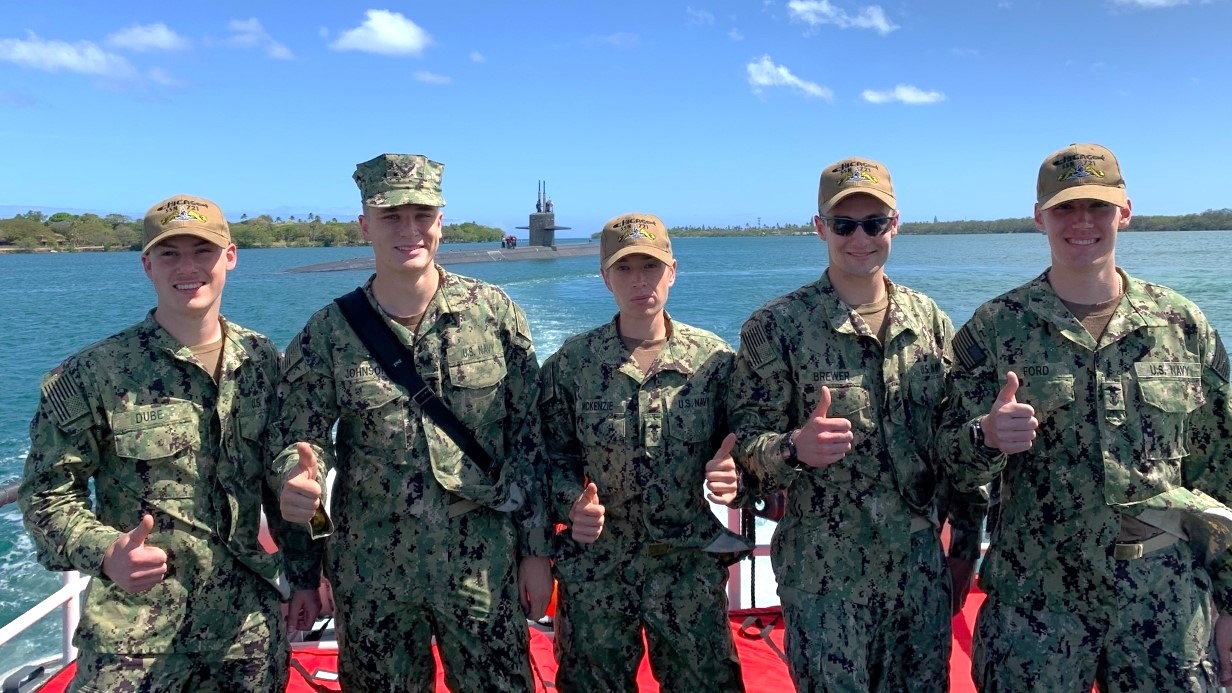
634, 233
848, 177
185, 215
390, 180
1080, 172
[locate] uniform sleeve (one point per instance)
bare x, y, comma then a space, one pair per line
1208, 467
565, 458
759, 402
301, 558
523, 437
971, 390
305, 410
963, 510
54, 496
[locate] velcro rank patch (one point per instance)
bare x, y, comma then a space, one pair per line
755, 345
969, 353
64, 399
1219, 360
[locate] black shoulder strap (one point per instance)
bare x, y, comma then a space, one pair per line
398, 364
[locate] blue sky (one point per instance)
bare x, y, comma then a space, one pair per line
704, 112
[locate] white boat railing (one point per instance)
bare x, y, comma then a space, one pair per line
67, 599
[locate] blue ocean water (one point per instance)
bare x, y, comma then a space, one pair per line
52, 305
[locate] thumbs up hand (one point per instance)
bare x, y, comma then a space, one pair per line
131, 564
586, 515
301, 494
1010, 425
822, 441
722, 479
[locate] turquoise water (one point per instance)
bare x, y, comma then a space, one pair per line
52, 305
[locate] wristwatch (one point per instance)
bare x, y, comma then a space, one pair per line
977, 434
787, 452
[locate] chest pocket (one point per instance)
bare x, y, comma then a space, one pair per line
477, 387
373, 416
158, 443
1046, 395
1163, 414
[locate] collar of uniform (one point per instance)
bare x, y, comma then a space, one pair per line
450, 299
156, 338
669, 359
1140, 310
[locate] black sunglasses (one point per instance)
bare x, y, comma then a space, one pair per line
873, 226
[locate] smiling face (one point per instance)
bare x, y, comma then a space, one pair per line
640, 284
404, 238
1082, 233
858, 258
188, 274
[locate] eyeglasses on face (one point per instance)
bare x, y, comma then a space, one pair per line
873, 226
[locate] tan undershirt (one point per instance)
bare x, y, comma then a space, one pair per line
874, 315
410, 322
210, 356
645, 351
1094, 317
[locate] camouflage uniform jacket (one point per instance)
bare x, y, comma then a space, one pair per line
643, 438
474, 350
847, 528
137, 414
1144, 410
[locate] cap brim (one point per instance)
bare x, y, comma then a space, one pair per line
1104, 193
844, 194
185, 231
663, 256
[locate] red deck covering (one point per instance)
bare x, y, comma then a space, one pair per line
764, 669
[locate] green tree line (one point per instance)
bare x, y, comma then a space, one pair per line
63, 231
1210, 220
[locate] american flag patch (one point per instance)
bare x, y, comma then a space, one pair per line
66, 402
755, 345
1219, 360
970, 353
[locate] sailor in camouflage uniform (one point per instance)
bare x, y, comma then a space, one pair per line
836, 397
422, 542
632, 413
1102, 401
167, 419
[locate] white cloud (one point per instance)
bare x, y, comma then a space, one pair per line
620, 39
158, 75
477, 57
904, 93
248, 33
385, 33
699, 16
817, 12
735, 35
147, 37
1151, 4
965, 52
764, 73
431, 78
83, 57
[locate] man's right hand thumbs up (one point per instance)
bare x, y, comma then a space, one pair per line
1010, 425
131, 564
822, 441
301, 494
586, 515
